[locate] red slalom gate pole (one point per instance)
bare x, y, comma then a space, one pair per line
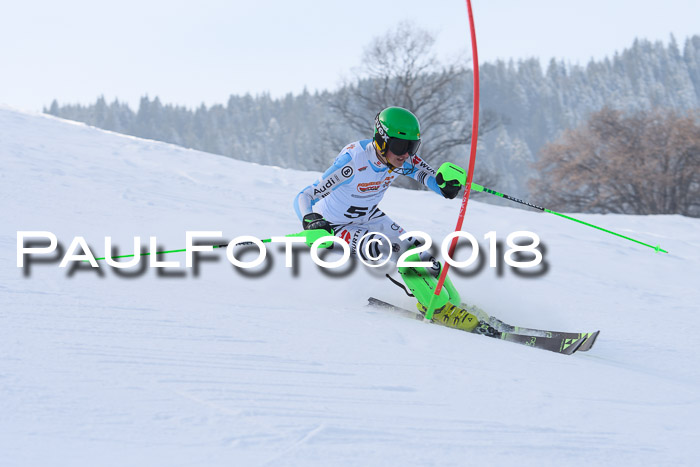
472, 160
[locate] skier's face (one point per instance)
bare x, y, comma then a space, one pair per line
399, 150
396, 160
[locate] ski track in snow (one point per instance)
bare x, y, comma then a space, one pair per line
217, 368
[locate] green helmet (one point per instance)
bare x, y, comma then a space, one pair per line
398, 128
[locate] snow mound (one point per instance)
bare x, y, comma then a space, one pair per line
211, 366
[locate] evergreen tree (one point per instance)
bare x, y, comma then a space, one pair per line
534, 106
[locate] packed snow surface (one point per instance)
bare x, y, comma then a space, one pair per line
210, 366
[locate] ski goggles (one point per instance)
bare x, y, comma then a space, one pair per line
403, 146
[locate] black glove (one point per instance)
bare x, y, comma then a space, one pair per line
314, 221
449, 188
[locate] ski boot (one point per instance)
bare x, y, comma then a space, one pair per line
422, 281
449, 312
453, 317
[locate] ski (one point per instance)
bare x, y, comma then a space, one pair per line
375, 302
566, 345
590, 337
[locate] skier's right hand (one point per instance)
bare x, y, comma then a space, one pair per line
314, 221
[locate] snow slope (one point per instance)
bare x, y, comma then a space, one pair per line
289, 367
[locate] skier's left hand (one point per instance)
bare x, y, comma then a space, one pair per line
449, 188
450, 178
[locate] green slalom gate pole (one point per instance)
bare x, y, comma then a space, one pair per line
483, 189
310, 237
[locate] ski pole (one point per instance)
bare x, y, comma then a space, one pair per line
472, 159
310, 237
483, 189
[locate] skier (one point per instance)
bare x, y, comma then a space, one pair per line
345, 202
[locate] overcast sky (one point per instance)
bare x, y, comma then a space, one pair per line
189, 52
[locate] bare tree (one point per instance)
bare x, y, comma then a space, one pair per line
401, 69
642, 163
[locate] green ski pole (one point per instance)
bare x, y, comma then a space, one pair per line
310, 236
483, 189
